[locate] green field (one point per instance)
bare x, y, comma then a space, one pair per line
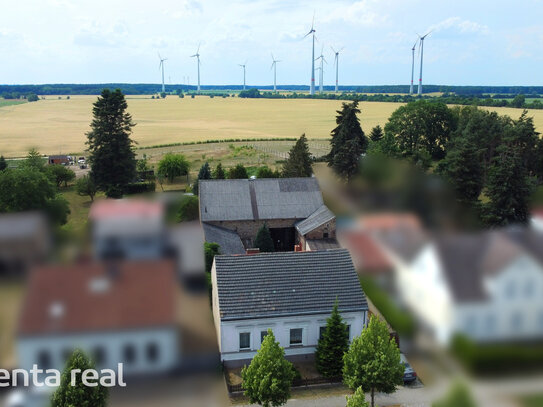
11, 102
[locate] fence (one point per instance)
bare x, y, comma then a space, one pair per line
237, 388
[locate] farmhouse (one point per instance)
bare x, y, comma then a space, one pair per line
292, 208
291, 293
59, 159
115, 312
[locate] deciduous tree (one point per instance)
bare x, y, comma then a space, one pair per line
268, 378
3, 163
173, 165
358, 399
85, 186
373, 361
238, 172
79, 395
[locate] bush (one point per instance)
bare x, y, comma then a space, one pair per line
139, 188
491, 358
401, 321
188, 209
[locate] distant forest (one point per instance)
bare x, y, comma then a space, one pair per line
148, 89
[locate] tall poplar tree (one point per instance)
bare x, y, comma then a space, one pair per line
112, 157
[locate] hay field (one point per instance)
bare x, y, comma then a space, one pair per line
58, 125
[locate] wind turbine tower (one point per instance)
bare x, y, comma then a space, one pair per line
312, 85
321, 77
421, 47
336, 63
243, 66
412, 66
161, 66
274, 67
197, 55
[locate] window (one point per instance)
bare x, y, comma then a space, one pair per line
44, 360
322, 330
263, 335
99, 354
245, 340
129, 354
152, 352
348, 331
296, 336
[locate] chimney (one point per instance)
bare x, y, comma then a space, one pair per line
298, 248
254, 250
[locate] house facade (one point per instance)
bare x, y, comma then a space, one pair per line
116, 313
487, 286
291, 293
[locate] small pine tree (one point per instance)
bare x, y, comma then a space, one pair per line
332, 345
358, 399
219, 172
204, 173
3, 163
79, 395
373, 361
264, 240
298, 163
268, 378
376, 133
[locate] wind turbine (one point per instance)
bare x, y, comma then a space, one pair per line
421, 48
412, 66
161, 65
312, 31
243, 66
336, 63
197, 55
321, 77
274, 66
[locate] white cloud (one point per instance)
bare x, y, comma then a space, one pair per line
460, 25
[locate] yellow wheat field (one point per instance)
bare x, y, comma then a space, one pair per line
58, 126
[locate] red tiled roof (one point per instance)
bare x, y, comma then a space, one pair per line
389, 221
367, 255
90, 297
115, 208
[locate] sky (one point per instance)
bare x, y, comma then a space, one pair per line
473, 42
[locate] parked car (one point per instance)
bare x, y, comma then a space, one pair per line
81, 160
409, 375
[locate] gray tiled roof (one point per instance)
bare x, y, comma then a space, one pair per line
267, 198
316, 219
228, 240
287, 283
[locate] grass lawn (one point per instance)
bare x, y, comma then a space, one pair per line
79, 207
535, 400
11, 295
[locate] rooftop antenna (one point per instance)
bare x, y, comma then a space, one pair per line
243, 66
161, 65
412, 66
421, 48
336, 63
197, 55
321, 77
274, 66
312, 31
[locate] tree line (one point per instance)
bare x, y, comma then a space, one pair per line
492, 163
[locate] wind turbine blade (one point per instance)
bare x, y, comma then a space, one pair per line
273, 59
198, 50
159, 57
333, 50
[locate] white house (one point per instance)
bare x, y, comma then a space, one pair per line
128, 228
116, 312
488, 286
290, 292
